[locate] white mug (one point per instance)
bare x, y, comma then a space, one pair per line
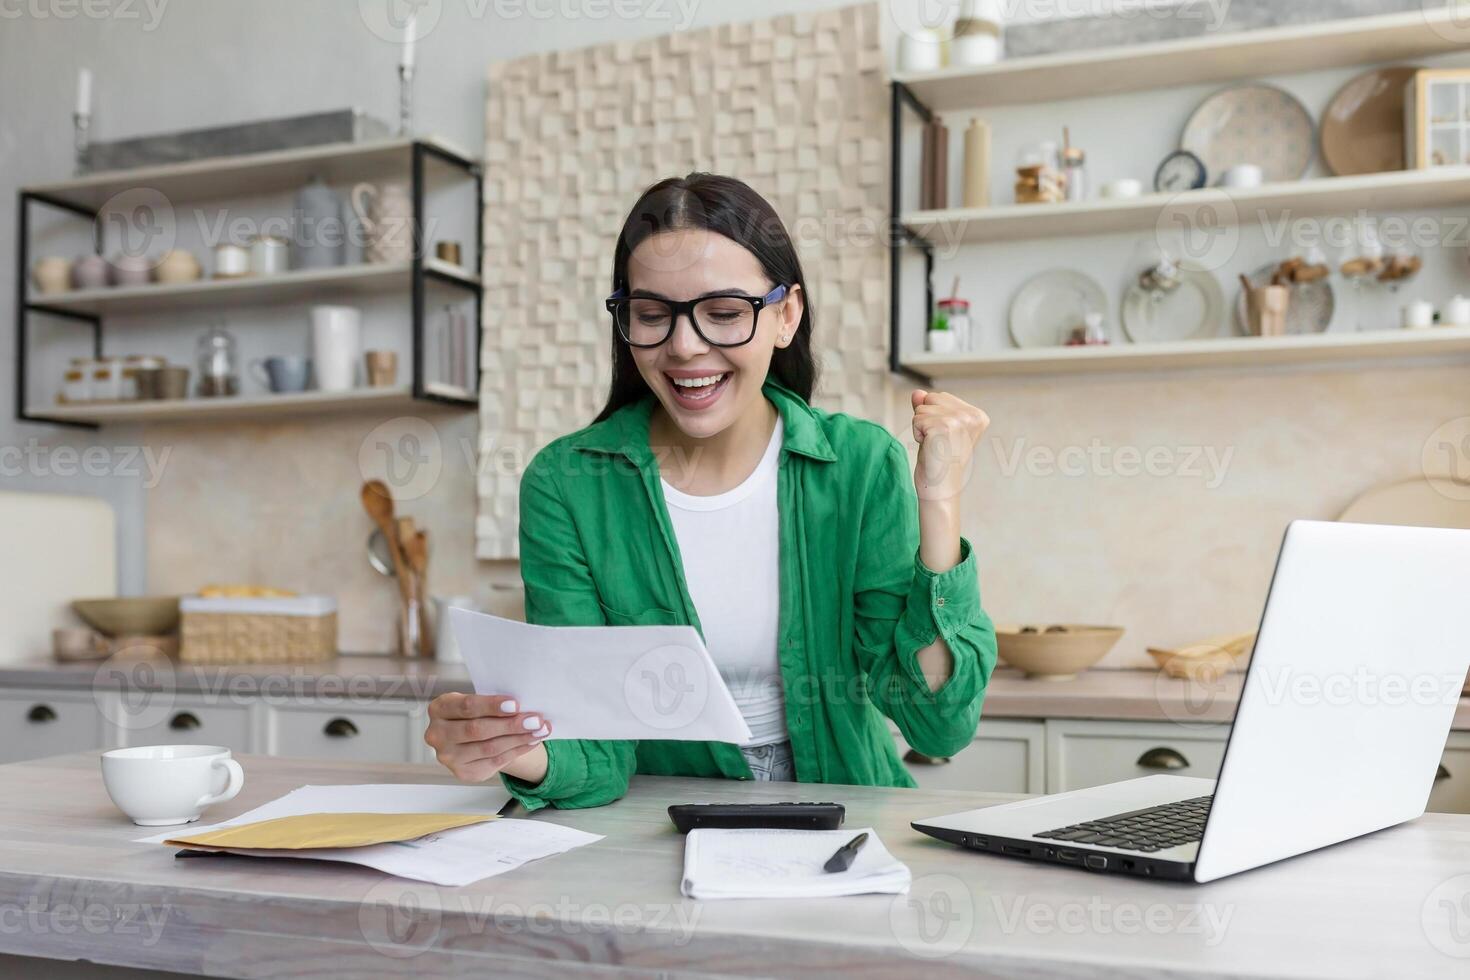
1419, 315
1457, 313
164, 785
336, 346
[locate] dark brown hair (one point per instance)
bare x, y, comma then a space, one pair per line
727, 207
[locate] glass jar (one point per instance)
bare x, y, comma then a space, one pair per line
218, 359
107, 380
75, 386
956, 312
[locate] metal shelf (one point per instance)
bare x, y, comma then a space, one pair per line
396, 398
241, 176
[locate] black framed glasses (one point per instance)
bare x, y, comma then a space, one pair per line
720, 319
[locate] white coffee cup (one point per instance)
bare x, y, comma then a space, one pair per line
336, 346
163, 785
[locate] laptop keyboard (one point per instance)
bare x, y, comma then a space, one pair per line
1150, 829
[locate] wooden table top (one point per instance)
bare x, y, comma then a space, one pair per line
1383, 905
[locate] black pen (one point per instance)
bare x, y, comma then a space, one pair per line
846, 854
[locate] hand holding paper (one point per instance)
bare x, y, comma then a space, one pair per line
603, 682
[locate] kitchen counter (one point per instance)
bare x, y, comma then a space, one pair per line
1107, 695
1371, 907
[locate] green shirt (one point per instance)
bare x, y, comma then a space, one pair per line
856, 603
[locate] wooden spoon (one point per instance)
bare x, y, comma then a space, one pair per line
378, 502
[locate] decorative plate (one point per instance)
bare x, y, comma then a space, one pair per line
1257, 124
1048, 306
1193, 311
1363, 127
1312, 303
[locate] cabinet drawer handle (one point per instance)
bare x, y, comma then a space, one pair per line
1162, 758
916, 758
1442, 773
185, 721
340, 728
40, 714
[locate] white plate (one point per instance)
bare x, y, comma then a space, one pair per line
1194, 311
1258, 124
1048, 306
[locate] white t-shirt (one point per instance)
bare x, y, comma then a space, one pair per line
730, 545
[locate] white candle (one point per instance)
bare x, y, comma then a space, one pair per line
84, 92
409, 31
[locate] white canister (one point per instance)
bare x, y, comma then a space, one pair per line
336, 346
1457, 313
920, 49
231, 261
270, 255
1419, 315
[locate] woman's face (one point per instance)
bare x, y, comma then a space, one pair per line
687, 265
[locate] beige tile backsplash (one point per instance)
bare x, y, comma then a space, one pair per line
1168, 557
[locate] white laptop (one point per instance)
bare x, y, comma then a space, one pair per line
1343, 715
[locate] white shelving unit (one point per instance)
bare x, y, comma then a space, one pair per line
1217, 58
1193, 61
1403, 189
1323, 348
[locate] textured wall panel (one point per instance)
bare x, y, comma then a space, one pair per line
795, 105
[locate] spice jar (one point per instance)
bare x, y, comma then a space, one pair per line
957, 313
107, 380
75, 386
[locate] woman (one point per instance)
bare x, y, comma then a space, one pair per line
709, 492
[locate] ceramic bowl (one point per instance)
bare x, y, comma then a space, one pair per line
51, 275
132, 270
1056, 652
90, 272
145, 615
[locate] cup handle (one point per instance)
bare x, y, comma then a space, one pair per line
232, 788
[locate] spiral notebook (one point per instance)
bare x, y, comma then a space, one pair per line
786, 864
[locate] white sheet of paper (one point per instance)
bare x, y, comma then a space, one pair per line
603, 682
757, 863
359, 798
454, 857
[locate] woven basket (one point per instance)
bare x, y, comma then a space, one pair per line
210, 637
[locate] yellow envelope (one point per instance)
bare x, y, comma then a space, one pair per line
330, 830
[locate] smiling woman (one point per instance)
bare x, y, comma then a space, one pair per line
831, 586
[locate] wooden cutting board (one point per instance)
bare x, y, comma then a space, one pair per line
58, 547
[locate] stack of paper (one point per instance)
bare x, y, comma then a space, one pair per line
453, 853
786, 864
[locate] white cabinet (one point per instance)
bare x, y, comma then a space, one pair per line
1005, 757
192, 720
40, 722
1088, 753
362, 731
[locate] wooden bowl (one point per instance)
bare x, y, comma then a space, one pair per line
145, 615
1206, 660
1055, 653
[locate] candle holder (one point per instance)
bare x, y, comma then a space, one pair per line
405, 100
81, 139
